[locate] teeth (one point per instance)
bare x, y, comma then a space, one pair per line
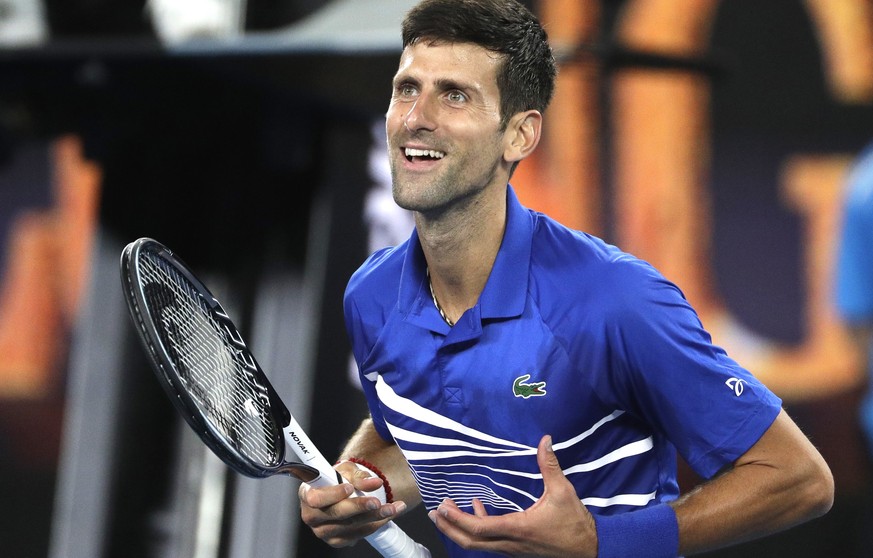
410, 152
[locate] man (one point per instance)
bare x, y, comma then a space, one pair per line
531, 384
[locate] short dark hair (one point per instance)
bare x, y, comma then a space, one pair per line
526, 79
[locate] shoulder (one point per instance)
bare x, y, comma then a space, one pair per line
578, 265
381, 269
373, 289
379, 265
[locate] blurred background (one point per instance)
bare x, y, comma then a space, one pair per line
711, 138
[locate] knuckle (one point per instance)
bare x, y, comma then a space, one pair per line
479, 531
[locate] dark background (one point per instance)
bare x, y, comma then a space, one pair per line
219, 155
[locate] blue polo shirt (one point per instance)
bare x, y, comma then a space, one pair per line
570, 337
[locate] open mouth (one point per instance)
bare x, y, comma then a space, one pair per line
415, 155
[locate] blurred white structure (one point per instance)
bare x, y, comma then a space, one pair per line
22, 23
175, 21
341, 26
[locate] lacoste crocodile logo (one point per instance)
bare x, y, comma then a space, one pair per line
533, 389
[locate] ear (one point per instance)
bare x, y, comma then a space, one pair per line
522, 135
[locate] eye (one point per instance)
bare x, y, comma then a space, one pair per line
406, 90
456, 96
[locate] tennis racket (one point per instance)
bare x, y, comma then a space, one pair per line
213, 380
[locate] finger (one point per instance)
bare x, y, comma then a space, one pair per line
345, 533
355, 473
478, 526
358, 525
363, 509
558, 491
364, 483
364, 480
325, 496
340, 503
347, 469
351, 516
556, 487
479, 508
448, 503
548, 462
474, 532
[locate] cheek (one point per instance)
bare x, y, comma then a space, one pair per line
393, 121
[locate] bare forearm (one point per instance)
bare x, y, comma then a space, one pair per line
764, 493
368, 445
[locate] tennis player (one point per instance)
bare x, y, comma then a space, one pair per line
531, 384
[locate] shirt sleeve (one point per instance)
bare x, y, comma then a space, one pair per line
361, 333
669, 372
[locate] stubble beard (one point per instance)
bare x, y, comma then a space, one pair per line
437, 195
418, 194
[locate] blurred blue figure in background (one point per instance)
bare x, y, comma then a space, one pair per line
854, 271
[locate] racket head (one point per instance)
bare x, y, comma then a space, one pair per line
201, 360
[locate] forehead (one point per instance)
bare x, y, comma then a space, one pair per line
468, 62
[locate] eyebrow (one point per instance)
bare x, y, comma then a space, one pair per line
442, 84
446, 84
404, 78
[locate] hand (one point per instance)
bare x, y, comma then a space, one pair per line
339, 517
557, 525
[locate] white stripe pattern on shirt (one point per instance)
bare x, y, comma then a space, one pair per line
438, 479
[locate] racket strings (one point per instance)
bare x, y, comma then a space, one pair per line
216, 367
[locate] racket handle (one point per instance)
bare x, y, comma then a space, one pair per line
389, 540
392, 542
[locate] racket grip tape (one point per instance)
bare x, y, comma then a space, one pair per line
392, 542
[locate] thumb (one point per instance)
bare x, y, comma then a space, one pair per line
548, 461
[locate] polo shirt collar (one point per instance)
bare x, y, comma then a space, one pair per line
505, 292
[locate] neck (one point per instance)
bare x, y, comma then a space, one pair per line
460, 254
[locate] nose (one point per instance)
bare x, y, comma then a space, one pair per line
420, 116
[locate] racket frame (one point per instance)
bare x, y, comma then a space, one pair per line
177, 392
389, 540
